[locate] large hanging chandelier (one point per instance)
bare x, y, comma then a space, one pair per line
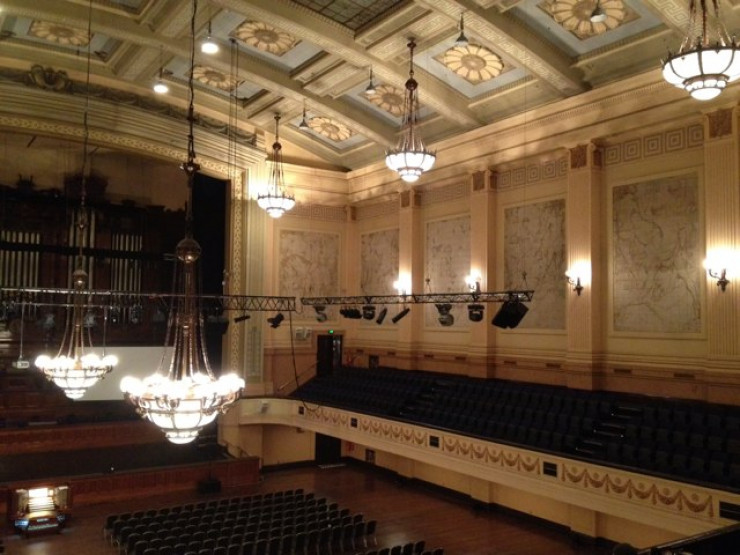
276, 201
186, 396
410, 158
708, 58
75, 367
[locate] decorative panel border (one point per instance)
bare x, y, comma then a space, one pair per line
655, 144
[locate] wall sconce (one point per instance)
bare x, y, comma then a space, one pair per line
403, 285
721, 278
473, 283
576, 283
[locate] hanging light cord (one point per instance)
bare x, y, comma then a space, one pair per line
190, 166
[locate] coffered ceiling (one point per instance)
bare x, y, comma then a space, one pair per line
284, 55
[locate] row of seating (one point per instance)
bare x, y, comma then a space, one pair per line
685, 440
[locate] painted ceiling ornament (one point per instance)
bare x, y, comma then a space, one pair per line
59, 34
329, 128
473, 62
388, 98
575, 16
214, 78
265, 37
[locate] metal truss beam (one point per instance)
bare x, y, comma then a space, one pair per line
124, 299
429, 298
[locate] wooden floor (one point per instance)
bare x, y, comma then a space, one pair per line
405, 512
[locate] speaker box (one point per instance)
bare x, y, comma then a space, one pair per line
510, 314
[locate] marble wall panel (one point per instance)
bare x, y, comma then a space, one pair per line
534, 243
379, 262
309, 263
657, 254
446, 263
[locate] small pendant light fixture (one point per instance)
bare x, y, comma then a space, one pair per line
276, 201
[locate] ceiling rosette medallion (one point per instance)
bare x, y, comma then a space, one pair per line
58, 34
473, 62
214, 78
265, 37
388, 98
575, 16
329, 128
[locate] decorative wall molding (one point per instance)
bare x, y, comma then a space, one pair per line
511, 178
387, 208
447, 193
647, 146
318, 212
720, 123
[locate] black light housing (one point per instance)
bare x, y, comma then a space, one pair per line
321, 316
445, 318
368, 312
352, 313
475, 312
397, 318
276, 320
242, 318
381, 315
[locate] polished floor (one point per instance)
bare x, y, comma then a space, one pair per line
405, 512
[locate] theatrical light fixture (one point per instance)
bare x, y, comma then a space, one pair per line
576, 283
475, 312
368, 312
410, 158
183, 395
276, 201
242, 318
276, 320
708, 57
351, 312
462, 40
381, 315
370, 89
510, 314
445, 318
398, 317
598, 15
321, 315
209, 46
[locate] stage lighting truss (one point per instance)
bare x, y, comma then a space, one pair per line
524, 296
118, 300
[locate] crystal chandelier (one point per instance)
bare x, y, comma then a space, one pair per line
75, 368
185, 397
276, 201
708, 57
410, 158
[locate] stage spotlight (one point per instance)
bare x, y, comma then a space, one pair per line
242, 318
321, 316
381, 315
475, 312
397, 318
351, 312
445, 318
510, 314
368, 312
276, 320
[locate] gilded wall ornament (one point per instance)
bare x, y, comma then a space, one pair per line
265, 37
59, 34
575, 16
214, 78
473, 62
329, 128
388, 98
49, 79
